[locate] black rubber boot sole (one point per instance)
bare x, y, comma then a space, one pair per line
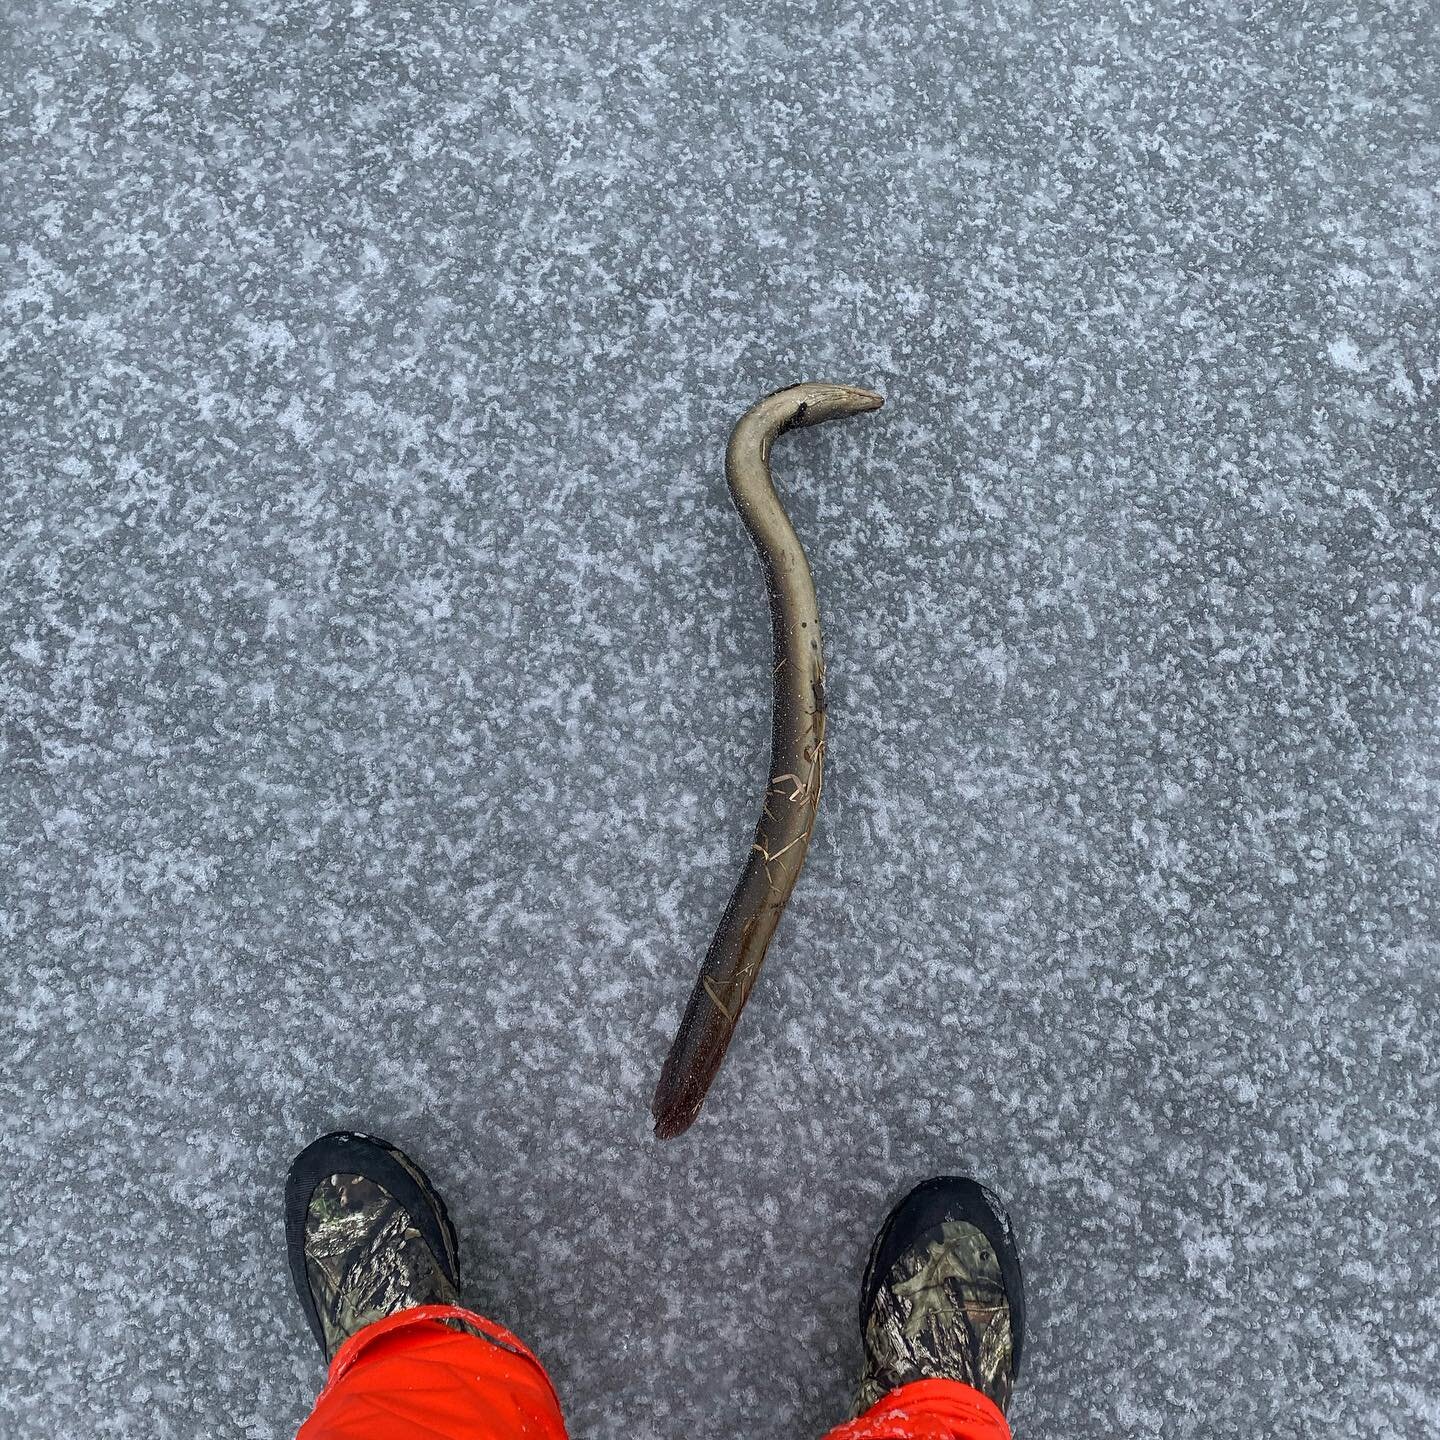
926, 1208
344, 1153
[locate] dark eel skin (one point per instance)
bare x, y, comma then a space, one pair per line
797, 751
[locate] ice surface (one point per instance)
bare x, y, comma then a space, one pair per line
384, 688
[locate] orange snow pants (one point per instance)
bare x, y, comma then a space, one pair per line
410, 1377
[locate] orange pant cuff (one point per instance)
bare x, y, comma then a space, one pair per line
411, 1377
929, 1410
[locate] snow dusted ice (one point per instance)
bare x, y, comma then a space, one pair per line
383, 684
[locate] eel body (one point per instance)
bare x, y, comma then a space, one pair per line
797, 759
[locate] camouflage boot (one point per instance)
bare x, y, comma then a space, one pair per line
367, 1235
941, 1296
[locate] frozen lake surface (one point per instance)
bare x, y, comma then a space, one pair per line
383, 677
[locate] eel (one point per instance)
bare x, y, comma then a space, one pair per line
797, 754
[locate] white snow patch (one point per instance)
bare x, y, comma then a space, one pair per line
1345, 355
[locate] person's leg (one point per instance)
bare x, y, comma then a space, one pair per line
376, 1265
942, 1315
